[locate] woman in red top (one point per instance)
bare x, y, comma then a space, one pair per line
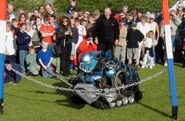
22, 19
87, 45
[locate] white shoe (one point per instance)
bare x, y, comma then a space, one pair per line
150, 67
165, 64
142, 66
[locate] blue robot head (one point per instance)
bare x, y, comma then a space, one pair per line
88, 62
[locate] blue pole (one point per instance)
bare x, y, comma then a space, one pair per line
171, 76
171, 72
2, 58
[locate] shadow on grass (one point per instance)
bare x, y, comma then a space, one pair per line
71, 100
155, 110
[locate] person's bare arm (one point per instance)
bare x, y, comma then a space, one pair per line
50, 62
157, 30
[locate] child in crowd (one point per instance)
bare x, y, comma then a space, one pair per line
133, 38
149, 43
11, 76
47, 31
23, 40
31, 61
9, 43
52, 21
45, 58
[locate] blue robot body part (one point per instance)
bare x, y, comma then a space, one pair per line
98, 71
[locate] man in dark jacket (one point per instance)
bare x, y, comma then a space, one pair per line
106, 31
134, 36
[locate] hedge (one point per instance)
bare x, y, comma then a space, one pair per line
91, 5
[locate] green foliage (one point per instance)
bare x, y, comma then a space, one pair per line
91, 5
27, 5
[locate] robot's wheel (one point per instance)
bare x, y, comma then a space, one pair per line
138, 95
101, 103
131, 98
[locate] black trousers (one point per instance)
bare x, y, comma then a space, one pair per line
65, 58
11, 58
104, 47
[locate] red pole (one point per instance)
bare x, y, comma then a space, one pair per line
3, 6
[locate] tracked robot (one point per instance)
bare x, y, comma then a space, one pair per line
105, 82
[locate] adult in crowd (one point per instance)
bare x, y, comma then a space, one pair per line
174, 23
49, 9
106, 31
63, 40
120, 49
11, 13
22, 19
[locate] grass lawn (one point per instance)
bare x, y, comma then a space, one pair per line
31, 102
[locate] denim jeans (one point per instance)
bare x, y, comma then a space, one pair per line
47, 73
22, 58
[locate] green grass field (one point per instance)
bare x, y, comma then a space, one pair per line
31, 102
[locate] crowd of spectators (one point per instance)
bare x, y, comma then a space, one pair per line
40, 42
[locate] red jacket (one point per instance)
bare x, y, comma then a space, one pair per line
83, 48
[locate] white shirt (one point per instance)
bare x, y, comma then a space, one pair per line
9, 43
2, 38
31, 34
81, 32
144, 28
149, 42
153, 27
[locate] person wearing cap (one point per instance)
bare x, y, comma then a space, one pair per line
134, 36
106, 31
